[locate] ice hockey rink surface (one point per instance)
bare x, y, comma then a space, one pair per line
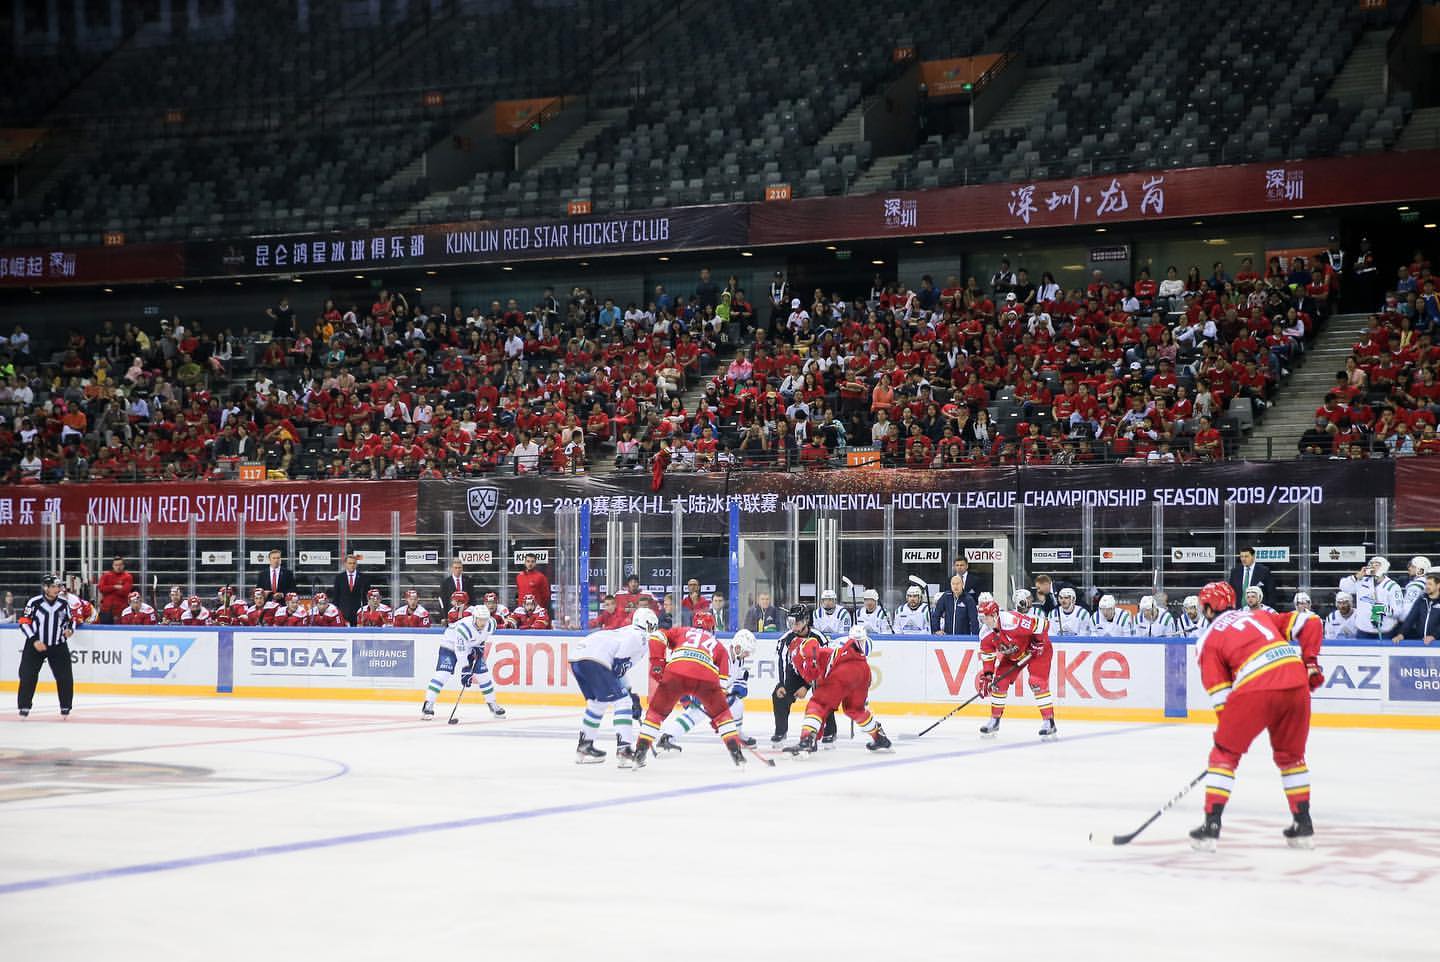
166, 828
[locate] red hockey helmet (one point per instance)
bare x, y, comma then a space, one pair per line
990, 608
459, 597
321, 598
1218, 595
703, 619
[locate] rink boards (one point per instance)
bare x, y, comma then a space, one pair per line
1367, 683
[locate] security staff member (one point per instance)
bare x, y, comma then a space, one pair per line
802, 626
46, 627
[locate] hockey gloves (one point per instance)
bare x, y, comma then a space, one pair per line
984, 682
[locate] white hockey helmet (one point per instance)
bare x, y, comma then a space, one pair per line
860, 635
1021, 596
1147, 602
1302, 598
870, 595
481, 613
829, 595
984, 597
1107, 602
1256, 591
743, 644
1067, 593
1344, 598
1421, 564
1381, 565
914, 592
1191, 603
645, 619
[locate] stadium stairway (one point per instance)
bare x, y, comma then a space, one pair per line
1294, 410
879, 176
567, 152
1422, 132
1030, 100
1363, 75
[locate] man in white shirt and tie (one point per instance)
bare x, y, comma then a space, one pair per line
457, 580
276, 579
348, 592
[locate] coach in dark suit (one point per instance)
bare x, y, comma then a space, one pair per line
351, 586
457, 580
1250, 574
276, 579
954, 611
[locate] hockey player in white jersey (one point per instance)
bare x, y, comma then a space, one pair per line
1377, 599
1192, 620
737, 686
1112, 621
1153, 621
1414, 589
872, 615
913, 617
830, 618
1070, 618
1255, 600
1340, 623
464, 643
600, 661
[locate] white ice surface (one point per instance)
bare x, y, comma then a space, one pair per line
212, 829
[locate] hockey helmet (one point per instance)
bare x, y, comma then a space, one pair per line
1067, 594
703, 619
1147, 602
829, 595
195, 600
870, 595
1021, 596
459, 598
990, 608
1381, 565
321, 598
644, 619
1107, 602
1344, 598
1302, 598
1191, 603
134, 595
373, 594
914, 592
801, 613
860, 638
1256, 592
481, 613
1218, 595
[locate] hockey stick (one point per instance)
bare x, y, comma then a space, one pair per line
854, 612
769, 762
453, 720
1127, 839
977, 696
921, 583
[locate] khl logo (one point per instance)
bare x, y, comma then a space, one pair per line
156, 657
481, 503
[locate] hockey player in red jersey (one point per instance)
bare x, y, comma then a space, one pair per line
137, 612
411, 614
695, 663
323, 614
375, 614
82, 612
227, 610
1010, 643
1259, 679
293, 615
839, 677
195, 615
459, 607
261, 610
530, 616
174, 608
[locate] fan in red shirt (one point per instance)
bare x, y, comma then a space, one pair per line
293, 615
137, 612
412, 614
195, 615
1259, 670
375, 614
323, 614
1016, 641
839, 677
696, 662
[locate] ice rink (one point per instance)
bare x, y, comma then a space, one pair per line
148, 828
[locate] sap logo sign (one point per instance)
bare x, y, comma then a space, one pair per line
156, 657
334, 658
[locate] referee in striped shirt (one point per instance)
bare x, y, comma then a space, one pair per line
46, 627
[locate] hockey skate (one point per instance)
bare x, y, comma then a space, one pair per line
807, 746
737, 754
625, 757
777, 739
992, 726
427, 711
747, 742
1301, 833
495, 709
586, 753
640, 755
879, 742
1047, 729
1203, 839
667, 743
827, 741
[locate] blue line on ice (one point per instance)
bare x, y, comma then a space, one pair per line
403, 831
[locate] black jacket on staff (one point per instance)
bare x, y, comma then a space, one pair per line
46, 621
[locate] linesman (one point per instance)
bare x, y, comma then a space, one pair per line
46, 627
